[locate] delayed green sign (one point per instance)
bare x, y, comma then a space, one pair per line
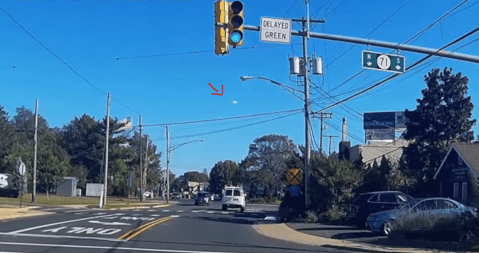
385, 62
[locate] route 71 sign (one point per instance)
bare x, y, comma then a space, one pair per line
385, 62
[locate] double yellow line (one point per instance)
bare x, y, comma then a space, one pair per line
135, 232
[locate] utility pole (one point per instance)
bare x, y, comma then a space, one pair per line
330, 141
141, 162
307, 105
106, 146
145, 171
35, 139
167, 166
322, 115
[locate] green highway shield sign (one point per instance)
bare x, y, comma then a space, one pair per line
385, 62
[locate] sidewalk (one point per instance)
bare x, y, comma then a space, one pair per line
8, 212
285, 232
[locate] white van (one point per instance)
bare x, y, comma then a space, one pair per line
233, 197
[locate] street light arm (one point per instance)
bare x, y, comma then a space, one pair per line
182, 144
285, 87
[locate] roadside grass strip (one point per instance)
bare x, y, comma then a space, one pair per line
135, 232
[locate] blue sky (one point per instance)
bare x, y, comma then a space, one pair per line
158, 78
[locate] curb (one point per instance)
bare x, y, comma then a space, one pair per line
140, 207
6, 214
283, 232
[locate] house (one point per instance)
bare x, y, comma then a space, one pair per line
375, 150
453, 173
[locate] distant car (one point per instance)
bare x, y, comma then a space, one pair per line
148, 195
233, 197
175, 195
373, 202
383, 222
202, 198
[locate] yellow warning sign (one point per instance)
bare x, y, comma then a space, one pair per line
294, 176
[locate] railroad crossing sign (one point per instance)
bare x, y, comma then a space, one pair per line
385, 62
294, 176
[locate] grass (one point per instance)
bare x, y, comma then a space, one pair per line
41, 199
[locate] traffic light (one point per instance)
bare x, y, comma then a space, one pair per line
221, 32
235, 24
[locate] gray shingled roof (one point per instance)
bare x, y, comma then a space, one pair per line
470, 153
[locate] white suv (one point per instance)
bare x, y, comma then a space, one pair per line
233, 197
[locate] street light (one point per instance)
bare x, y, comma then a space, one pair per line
168, 151
284, 86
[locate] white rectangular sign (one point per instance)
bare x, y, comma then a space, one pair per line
380, 134
275, 30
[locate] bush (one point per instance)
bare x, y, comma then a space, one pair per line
437, 227
334, 215
309, 217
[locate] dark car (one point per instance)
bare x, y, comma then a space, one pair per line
373, 202
202, 198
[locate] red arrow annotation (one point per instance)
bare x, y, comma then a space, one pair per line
216, 90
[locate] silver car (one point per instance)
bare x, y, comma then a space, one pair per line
383, 222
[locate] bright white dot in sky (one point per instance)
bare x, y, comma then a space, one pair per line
235, 102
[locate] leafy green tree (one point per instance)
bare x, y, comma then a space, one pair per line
269, 156
53, 161
334, 184
441, 117
6, 138
224, 173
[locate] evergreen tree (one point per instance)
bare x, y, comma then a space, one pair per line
441, 117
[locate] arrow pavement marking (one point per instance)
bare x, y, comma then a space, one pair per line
109, 223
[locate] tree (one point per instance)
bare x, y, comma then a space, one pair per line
6, 138
441, 117
268, 157
224, 173
334, 184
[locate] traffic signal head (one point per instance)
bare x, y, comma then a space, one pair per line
221, 32
236, 23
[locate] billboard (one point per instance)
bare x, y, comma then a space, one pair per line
380, 134
384, 120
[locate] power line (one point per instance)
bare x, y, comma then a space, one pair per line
290, 8
221, 119
197, 52
62, 61
408, 68
417, 35
234, 128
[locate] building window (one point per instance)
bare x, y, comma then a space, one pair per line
459, 160
440, 189
464, 191
456, 190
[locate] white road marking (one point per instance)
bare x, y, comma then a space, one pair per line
165, 211
65, 236
33, 207
110, 223
105, 247
76, 211
180, 211
225, 212
151, 210
155, 215
57, 223
174, 216
196, 211
99, 213
137, 210
210, 212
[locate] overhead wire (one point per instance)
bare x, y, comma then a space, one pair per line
234, 128
62, 61
417, 35
408, 68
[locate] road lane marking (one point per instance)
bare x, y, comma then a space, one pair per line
135, 232
225, 212
107, 248
151, 210
110, 223
196, 211
64, 236
155, 215
158, 206
180, 211
210, 212
165, 211
58, 223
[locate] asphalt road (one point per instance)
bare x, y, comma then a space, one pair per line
184, 228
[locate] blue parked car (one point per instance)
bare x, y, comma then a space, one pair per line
383, 222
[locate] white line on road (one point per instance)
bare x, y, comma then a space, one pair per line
65, 236
58, 223
210, 212
105, 247
155, 215
76, 211
165, 211
225, 212
196, 211
180, 211
151, 210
